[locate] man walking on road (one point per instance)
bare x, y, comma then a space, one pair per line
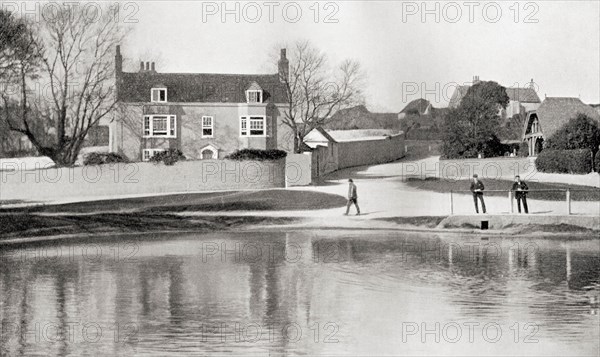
352, 197
477, 189
520, 189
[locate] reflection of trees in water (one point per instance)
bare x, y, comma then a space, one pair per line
165, 295
25, 332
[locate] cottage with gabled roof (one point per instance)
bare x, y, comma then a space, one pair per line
551, 115
418, 106
205, 115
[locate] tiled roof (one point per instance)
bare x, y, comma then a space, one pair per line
364, 134
554, 112
199, 87
417, 104
523, 95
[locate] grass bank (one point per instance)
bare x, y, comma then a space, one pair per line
578, 192
265, 200
25, 225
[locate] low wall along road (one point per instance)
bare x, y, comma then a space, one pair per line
138, 178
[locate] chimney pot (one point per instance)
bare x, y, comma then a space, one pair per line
153, 67
147, 66
283, 53
141, 66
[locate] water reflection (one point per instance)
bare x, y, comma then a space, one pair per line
329, 293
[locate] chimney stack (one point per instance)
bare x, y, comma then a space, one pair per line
147, 66
141, 66
152, 67
118, 61
475, 79
284, 66
532, 84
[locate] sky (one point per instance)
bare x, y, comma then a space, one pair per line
408, 50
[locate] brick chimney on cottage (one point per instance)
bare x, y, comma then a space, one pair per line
476, 79
118, 69
284, 66
147, 67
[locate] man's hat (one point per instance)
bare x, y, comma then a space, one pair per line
350, 180
475, 175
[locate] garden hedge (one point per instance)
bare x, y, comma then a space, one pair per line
101, 158
256, 155
168, 157
565, 161
598, 161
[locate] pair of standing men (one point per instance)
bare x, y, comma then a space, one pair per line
519, 187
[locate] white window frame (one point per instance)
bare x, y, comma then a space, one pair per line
211, 126
148, 126
246, 122
151, 153
250, 95
152, 99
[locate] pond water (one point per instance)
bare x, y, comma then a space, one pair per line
331, 293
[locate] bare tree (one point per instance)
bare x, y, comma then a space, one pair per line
315, 91
76, 85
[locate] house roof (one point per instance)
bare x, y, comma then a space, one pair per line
523, 95
554, 112
320, 135
199, 87
359, 117
418, 104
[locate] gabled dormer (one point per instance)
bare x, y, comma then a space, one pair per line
254, 93
158, 94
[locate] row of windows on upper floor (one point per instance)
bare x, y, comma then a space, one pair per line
159, 95
165, 126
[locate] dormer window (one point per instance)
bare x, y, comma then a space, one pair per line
159, 95
254, 96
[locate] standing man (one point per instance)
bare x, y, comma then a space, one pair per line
477, 189
352, 197
520, 189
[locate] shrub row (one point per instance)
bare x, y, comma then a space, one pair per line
168, 157
598, 162
256, 155
565, 161
101, 158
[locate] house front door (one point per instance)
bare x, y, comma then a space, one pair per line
207, 154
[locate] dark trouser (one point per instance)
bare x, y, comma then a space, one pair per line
480, 196
524, 198
350, 202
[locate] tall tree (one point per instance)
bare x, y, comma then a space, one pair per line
19, 61
581, 132
75, 87
472, 127
315, 91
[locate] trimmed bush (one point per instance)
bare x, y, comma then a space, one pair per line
565, 161
256, 155
168, 157
597, 161
523, 149
101, 158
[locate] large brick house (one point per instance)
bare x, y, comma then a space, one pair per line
206, 116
